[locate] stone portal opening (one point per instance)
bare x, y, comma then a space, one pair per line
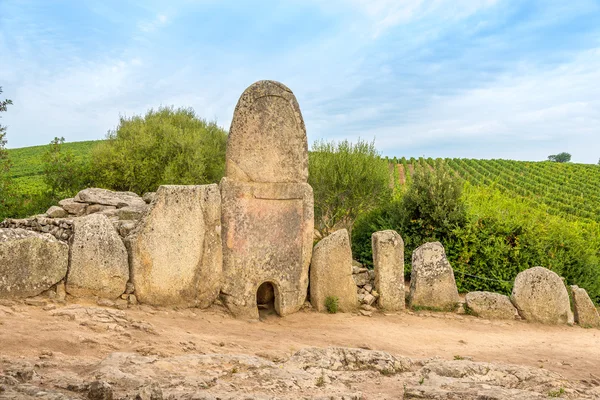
265, 300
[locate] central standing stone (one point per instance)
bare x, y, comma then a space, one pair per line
267, 204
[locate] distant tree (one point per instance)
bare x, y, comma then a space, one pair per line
5, 164
347, 179
560, 157
62, 173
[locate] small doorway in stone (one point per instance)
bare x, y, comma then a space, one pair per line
265, 300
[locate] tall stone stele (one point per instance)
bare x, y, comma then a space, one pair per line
388, 261
267, 204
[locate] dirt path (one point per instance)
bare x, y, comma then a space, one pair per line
28, 331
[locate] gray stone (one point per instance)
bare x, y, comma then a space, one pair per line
490, 305
586, 314
331, 273
132, 212
541, 296
432, 281
176, 256
73, 207
30, 262
148, 197
98, 208
361, 279
109, 198
56, 212
388, 261
99, 262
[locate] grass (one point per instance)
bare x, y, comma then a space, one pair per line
556, 393
332, 304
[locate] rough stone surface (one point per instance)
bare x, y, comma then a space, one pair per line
267, 140
73, 207
432, 281
61, 229
99, 262
148, 197
175, 251
267, 237
331, 272
388, 262
109, 198
490, 305
541, 296
30, 263
56, 212
586, 314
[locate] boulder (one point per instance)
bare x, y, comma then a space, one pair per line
490, 305
30, 262
432, 283
109, 198
586, 314
99, 263
148, 197
541, 296
331, 273
98, 208
73, 207
388, 261
56, 212
361, 279
175, 250
132, 212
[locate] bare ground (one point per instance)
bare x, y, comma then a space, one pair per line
66, 347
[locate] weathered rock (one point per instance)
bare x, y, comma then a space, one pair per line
490, 305
56, 212
98, 208
541, 296
267, 140
176, 256
586, 314
331, 273
361, 278
432, 281
99, 263
30, 262
268, 213
148, 197
99, 390
73, 207
109, 198
132, 212
124, 227
388, 261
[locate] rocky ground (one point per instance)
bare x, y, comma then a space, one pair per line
85, 351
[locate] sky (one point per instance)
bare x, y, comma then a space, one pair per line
444, 78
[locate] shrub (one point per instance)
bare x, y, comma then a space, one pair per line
62, 173
166, 146
348, 180
332, 304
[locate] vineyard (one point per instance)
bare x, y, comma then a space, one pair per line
571, 191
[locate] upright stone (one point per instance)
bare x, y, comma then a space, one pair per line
388, 260
175, 251
30, 262
99, 266
432, 281
541, 296
267, 204
586, 314
331, 273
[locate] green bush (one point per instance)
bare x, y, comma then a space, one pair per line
63, 174
332, 304
348, 180
166, 146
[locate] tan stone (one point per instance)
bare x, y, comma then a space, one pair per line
175, 251
432, 281
73, 207
490, 305
331, 273
267, 237
586, 314
541, 296
267, 140
99, 264
108, 198
56, 212
388, 261
30, 262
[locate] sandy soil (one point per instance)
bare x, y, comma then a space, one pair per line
29, 331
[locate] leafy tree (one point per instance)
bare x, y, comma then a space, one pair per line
560, 157
62, 173
5, 164
166, 146
347, 179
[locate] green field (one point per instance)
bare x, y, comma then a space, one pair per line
27, 169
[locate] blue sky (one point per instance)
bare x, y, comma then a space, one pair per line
445, 78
